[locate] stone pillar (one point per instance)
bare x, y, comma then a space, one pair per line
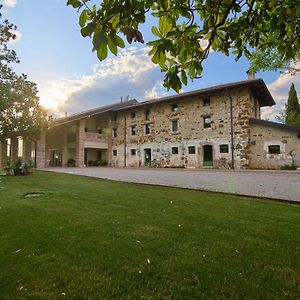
27, 147
80, 134
109, 141
3, 154
65, 151
41, 151
14, 149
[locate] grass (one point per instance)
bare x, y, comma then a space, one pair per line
95, 239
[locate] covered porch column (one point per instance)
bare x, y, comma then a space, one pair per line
80, 134
41, 151
14, 149
27, 148
3, 154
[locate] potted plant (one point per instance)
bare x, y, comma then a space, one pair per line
27, 167
18, 164
8, 170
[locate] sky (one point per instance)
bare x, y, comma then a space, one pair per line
71, 79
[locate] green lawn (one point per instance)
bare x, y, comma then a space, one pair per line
96, 239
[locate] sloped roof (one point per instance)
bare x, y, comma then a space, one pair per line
95, 111
275, 125
257, 86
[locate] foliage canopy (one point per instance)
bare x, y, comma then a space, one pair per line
187, 30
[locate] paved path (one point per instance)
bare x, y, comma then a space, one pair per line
284, 185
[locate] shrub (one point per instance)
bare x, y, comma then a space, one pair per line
71, 162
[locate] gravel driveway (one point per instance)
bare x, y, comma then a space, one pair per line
283, 185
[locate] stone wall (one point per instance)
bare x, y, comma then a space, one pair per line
191, 131
261, 137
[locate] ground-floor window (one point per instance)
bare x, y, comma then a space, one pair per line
192, 149
224, 148
133, 152
274, 149
115, 152
174, 150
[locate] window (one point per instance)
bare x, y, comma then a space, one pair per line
147, 128
147, 115
207, 122
115, 152
192, 149
133, 115
224, 148
133, 130
115, 117
206, 101
274, 149
174, 150
133, 152
114, 132
175, 125
175, 107
100, 131
85, 129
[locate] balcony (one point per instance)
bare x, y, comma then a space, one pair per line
95, 140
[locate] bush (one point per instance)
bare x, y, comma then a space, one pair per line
288, 167
71, 162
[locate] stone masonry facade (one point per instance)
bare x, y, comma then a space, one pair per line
213, 127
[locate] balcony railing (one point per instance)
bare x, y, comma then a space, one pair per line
95, 137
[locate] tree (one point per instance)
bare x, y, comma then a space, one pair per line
20, 112
239, 27
293, 108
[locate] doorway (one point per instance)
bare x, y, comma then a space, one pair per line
207, 156
147, 157
56, 158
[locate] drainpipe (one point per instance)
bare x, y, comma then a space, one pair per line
125, 141
231, 131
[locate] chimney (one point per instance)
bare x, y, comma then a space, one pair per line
251, 75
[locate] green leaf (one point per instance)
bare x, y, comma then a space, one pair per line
112, 45
102, 51
183, 77
164, 26
74, 3
120, 43
83, 18
88, 30
155, 31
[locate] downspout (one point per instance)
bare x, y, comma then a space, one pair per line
231, 131
125, 141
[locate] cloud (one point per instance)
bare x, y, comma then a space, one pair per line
130, 73
280, 91
10, 3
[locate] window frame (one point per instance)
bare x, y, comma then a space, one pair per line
175, 107
133, 130
147, 129
176, 152
147, 114
274, 152
206, 101
190, 148
114, 132
115, 152
222, 146
172, 126
207, 125
133, 152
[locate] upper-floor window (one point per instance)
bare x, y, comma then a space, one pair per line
174, 150
100, 131
147, 128
114, 117
207, 121
174, 125
114, 132
133, 152
115, 152
133, 130
147, 115
224, 148
175, 107
274, 149
191, 149
133, 115
206, 101
85, 129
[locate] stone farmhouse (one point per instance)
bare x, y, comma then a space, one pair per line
216, 127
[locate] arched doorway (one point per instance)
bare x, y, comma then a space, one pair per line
207, 156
